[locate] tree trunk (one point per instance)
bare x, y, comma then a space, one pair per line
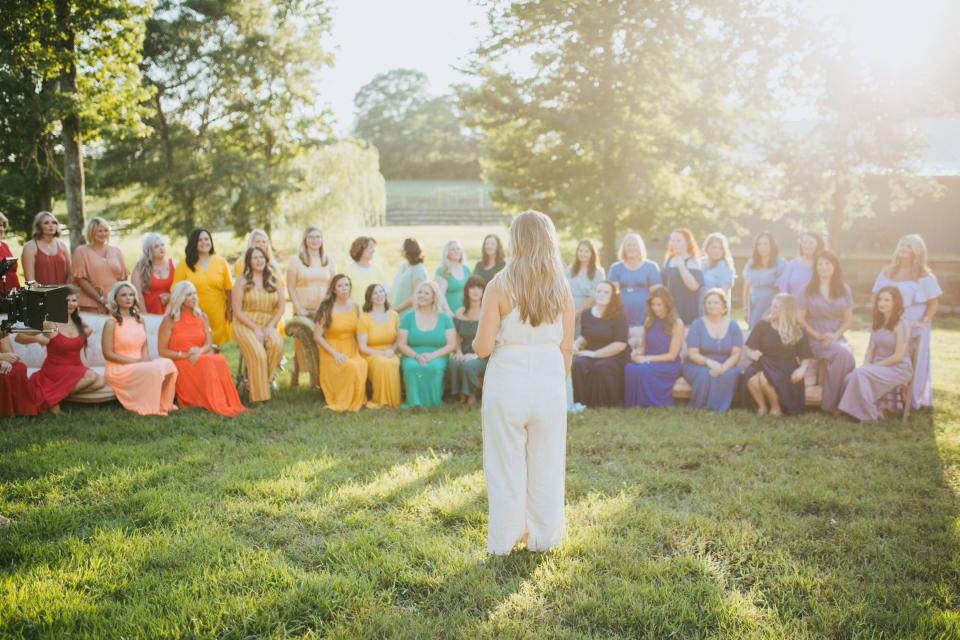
72, 150
608, 236
838, 211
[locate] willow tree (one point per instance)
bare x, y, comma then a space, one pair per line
622, 114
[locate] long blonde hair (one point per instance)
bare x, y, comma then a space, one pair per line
920, 268
178, 294
788, 325
725, 244
304, 255
114, 308
534, 277
445, 265
271, 261
144, 266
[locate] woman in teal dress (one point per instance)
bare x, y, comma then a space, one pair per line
408, 278
465, 368
452, 275
426, 338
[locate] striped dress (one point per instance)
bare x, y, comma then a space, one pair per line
261, 358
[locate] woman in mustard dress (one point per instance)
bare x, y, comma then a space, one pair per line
141, 384
343, 372
308, 278
377, 336
210, 274
257, 308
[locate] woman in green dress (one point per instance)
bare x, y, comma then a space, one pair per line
452, 275
465, 368
492, 258
426, 338
408, 278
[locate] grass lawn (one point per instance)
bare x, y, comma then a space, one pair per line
292, 522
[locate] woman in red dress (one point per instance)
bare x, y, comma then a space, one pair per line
62, 372
153, 274
45, 258
203, 378
15, 396
9, 281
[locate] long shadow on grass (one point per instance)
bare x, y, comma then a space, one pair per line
839, 531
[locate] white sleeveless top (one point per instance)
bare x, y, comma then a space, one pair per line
514, 332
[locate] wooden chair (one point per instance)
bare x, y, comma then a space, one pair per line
906, 389
301, 329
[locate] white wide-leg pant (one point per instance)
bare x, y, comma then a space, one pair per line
524, 418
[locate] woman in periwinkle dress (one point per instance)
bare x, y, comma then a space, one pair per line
634, 275
826, 310
526, 328
799, 271
886, 365
760, 276
584, 274
714, 344
655, 366
717, 265
682, 275
908, 272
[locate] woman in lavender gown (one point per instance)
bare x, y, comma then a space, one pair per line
682, 275
600, 352
655, 366
714, 343
826, 310
760, 276
799, 271
886, 365
908, 272
634, 275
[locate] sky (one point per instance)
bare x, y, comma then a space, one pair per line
373, 36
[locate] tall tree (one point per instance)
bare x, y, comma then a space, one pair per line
418, 135
75, 62
629, 114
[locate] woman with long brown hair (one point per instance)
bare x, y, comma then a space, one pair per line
343, 371
886, 365
760, 276
682, 275
526, 328
655, 365
600, 351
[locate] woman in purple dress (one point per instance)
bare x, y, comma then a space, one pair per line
886, 365
921, 293
799, 271
655, 366
634, 275
826, 310
780, 354
760, 276
714, 344
682, 275
601, 350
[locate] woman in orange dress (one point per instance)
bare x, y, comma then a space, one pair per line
141, 384
185, 337
343, 371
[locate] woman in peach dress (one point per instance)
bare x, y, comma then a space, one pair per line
185, 337
141, 384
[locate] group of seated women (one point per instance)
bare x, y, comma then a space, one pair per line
640, 326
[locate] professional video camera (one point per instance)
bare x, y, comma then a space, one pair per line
30, 305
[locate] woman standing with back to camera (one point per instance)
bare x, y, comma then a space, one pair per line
526, 327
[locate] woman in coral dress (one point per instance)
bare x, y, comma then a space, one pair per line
343, 371
203, 378
153, 274
141, 384
377, 337
62, 372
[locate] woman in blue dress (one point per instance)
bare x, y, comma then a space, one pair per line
426, 339
799, 271
717, 265
451, 275
760, 276
682, 275
655, 366
634, 274
714, 344
584, 274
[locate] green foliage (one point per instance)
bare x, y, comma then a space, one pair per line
293, 522
35, 52
419, 136
628, 115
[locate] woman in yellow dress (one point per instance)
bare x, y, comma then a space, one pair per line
257, 308
308, 278
377, 336
210, 274
343, 372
